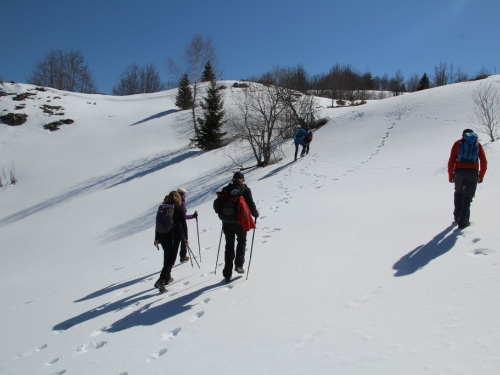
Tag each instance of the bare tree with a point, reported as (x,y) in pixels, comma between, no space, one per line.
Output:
(194,58)
(487,109)
(137,80)
(396,83)
(460,76)
(151,80)
(129,81)
(441,75)
(267,114)
(64,71)
(318,84)
(383,85)
(483,72)
(259,121)
(412,83)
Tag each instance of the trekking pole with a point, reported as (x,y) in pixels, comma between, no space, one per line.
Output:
(251,249)
(198,231)
(215,273)
(192,256)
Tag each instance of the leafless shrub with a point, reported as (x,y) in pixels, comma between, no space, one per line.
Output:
(487,109)
(10,179)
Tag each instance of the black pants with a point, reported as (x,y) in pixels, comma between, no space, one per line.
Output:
(183,252)
(297,144)
(234,232)
(306,148)
(465,189)
(170,245)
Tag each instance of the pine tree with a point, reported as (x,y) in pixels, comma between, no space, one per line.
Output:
(184,98)
(208,74)
(424,83)
(210,135)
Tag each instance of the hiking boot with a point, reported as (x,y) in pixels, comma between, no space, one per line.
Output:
(464,225)
(239,269)
(160,285)
(170,281)
(227,279)
(184,259)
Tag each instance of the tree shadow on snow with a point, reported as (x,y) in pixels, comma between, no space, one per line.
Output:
(158,115)
(151,316)
(419,257)
(200,190)
(275,171)
(137,169)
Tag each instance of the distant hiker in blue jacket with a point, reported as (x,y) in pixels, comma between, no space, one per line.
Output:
(307,139)
(298,139)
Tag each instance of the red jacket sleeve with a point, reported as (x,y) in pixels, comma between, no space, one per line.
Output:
(483,162)
(481,165)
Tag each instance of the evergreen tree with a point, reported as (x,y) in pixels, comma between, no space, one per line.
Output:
(424,83)
(184,98)
(368,81)
(210,135)
(208,74)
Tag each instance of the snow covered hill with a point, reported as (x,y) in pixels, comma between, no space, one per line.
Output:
(356,265)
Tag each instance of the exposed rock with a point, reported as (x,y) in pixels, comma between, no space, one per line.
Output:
(14,119)
(23,96)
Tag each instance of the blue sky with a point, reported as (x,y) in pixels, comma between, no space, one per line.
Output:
(252,36)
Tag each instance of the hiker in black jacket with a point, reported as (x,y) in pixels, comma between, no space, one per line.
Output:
(170,241)
(234,231)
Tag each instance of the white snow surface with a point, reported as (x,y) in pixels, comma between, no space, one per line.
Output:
(356,266)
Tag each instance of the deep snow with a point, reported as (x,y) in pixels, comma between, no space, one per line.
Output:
(356,265)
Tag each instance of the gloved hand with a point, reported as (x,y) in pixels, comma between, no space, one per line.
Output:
(479,180)
(195,215)
(452,180)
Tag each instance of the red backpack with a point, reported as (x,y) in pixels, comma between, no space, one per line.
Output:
(232,208)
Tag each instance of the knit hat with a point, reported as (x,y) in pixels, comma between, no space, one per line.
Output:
(238,176)
(467,131)
(182,191)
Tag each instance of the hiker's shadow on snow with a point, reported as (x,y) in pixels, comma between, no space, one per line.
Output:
(422,255)
(127,302)
(157,314)
(117,286)
(277,170)
(137,169)
(158,115)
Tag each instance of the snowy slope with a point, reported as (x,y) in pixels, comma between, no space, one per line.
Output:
(356,266)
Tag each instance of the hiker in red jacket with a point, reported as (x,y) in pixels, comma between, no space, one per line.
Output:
(466,168)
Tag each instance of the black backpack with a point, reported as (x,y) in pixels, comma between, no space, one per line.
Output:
(165,218)
(226,205)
